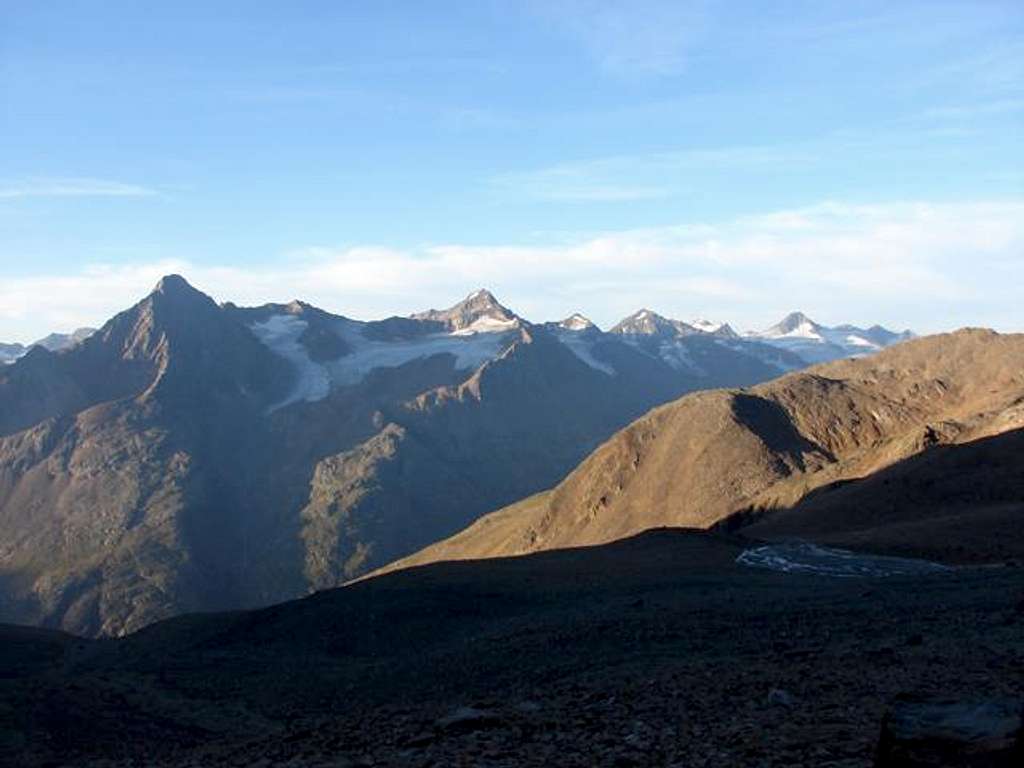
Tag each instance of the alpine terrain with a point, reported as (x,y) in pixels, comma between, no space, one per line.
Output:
(194,456)
(915,449)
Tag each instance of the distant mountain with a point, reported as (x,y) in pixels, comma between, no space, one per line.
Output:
(11,352)
(189,456)
(58,341)
(577,322)
(816,343)
(847,452)
(480,312)
(715,329)
(647,323)
(54,342)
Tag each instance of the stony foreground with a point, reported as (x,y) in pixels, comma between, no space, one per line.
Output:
(655,651)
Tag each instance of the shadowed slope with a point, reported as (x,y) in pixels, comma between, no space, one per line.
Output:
(956,503)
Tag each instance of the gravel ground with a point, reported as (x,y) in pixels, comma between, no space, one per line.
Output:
(658,653)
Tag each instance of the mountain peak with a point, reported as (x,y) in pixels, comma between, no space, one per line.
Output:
(577,322)
(174,293)
(644,322)
(481,296)
(480,308)
(794,324)
(793,319)
(714,328)
(171,284)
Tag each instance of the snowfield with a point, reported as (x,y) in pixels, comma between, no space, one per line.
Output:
(582,346)
(471,347)
(281,334)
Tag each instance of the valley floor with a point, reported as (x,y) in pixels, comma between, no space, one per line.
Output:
(655,651)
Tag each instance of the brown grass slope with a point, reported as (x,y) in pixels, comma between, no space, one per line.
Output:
(714,455)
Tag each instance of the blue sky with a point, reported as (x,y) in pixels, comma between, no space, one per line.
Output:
(862,161)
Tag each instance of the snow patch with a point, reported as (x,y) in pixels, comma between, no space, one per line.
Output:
(281,334)
(678,356)
(706,326)
(582,347)
(471,350)
(805,330)
(858,341)
(486,324)
(576,323)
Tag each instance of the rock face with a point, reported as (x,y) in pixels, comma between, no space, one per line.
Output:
(194,456)
(928,733)
(897,451)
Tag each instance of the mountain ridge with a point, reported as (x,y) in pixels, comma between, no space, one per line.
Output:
(766,447)
(195,456)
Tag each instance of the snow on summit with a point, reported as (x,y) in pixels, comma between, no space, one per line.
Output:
(576,322)
(479,328)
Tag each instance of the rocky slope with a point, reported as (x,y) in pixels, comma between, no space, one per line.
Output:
(194,456)
(732,457)
(660,650)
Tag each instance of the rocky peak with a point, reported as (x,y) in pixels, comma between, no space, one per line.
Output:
(577,322)
(480,308)
(647,323)
(794,324)
(712,328)
(173,284)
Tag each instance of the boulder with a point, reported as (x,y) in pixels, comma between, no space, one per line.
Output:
(469,719)
(928,733)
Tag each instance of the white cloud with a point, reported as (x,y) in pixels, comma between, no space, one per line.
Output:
(70,186)
(930,266)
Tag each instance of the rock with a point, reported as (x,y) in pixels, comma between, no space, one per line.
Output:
(468,719)
(528,706)
(929,733)
(778,697)
(420,740)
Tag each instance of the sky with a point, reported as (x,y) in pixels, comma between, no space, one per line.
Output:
(861,161)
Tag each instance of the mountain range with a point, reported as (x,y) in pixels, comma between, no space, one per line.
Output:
(917,449)
(817,343)
(194,456)
(53,342)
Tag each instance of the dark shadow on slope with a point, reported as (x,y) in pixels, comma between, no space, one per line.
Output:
(770,422)
(953,503)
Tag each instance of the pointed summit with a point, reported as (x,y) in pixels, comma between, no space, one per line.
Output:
(478,312)
(171,284)
(648,323)
(174,293)
(577,322)
(712,328)
(794,325)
